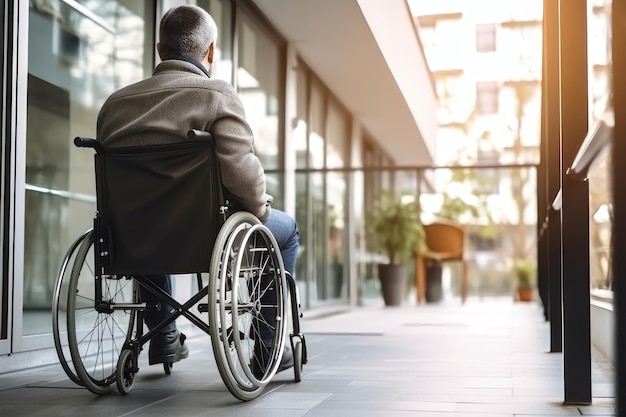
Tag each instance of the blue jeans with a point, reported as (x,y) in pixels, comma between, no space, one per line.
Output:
(284,229)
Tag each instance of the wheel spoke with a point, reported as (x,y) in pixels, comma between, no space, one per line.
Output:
(95,338)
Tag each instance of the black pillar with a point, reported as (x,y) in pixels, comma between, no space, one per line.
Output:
(575,204)
(619,200)
(542,193)
(553,154)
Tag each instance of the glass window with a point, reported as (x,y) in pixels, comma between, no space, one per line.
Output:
(600,225)
(487,100)
(487,178)
(259,83)
(338,136)
(486,37)
(317,135)
(300,130)
(317,242)
(300,139)
(78,54)
(221,12)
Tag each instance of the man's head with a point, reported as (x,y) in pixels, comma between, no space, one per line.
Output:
(187,31)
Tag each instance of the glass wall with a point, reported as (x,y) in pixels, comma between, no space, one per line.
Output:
(322,140)
(317,244)
(600,178)
(376,179)
(499,221)
(221,11)
(260,83)
(600,226)
(300,137)
(78,54)
(338,134)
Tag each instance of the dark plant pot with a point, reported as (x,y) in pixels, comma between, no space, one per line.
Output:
(392,283)
(434,289)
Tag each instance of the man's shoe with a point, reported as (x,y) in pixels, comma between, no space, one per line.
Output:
(167,348)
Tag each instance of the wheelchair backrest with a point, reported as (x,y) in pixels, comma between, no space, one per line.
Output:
(158,208)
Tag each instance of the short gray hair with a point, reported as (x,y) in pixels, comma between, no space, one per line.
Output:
(186,31)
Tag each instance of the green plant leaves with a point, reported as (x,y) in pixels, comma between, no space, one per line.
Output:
(394,227)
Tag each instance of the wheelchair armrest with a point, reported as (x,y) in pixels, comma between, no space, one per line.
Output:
(82,142)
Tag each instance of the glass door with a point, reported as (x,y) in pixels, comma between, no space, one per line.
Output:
(79,52)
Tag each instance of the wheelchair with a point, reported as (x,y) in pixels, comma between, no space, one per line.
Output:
(162,209)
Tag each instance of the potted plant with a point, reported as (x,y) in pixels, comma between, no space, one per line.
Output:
(524,271)
(394,229)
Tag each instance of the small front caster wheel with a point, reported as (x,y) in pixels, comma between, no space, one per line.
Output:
(297,360)
(125,374)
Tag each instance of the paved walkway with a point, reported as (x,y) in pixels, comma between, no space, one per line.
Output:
(483,359)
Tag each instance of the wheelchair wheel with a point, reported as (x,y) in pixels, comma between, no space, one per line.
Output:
(96,336)
(246,305)
(125,374)
(59,311)
(260,303)
(297,360)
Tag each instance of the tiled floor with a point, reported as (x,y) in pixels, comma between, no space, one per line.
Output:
(483,359)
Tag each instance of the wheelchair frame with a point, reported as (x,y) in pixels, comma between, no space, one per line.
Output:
(247,297)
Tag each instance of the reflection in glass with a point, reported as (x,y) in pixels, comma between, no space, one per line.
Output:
(220,10)
(336,196)
(259,86)
(319,289)
(316,138)
(78,54)
(600,226)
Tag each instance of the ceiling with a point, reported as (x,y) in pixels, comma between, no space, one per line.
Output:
(367,53)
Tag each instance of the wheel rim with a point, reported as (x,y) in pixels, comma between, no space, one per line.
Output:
(228,320)
(220,308)
(96,338)
(59,310)
(259,305)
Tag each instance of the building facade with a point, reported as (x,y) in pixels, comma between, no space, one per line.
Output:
(327,88)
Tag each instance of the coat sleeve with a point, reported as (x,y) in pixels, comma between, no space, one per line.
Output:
(242,173)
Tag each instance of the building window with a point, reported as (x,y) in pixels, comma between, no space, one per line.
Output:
(488,179)
(487,97)
(482,243)
(486,37)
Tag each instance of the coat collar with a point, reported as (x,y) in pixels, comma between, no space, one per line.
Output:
(181,64)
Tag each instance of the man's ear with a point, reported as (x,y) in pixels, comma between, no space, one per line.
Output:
(210,55)
(159,50)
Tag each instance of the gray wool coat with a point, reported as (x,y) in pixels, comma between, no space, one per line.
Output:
(179,97)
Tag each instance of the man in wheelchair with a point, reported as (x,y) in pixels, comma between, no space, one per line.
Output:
(180,96)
